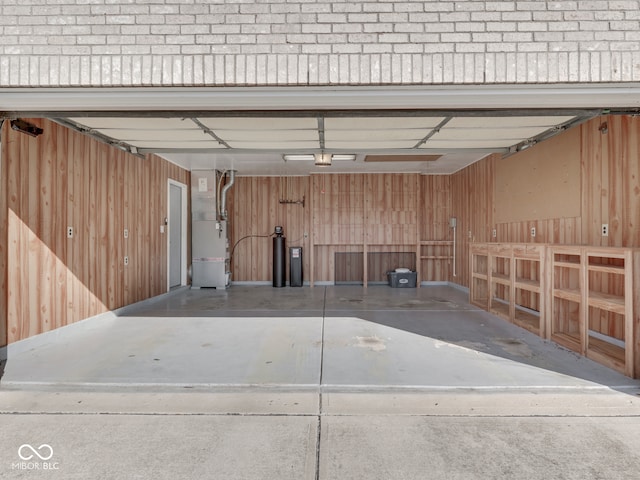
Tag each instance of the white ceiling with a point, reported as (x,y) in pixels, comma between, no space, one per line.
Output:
(254,144)
(250,128)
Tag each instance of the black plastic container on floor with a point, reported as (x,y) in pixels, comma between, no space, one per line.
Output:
(279,261)
(402,279)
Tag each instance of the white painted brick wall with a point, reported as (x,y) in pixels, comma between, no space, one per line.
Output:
(310,42)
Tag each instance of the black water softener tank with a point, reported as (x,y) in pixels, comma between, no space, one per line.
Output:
(279,258)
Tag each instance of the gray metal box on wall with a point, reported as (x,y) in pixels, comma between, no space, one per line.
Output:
(203,195)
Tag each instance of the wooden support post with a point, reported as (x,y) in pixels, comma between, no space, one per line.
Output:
(584,303)
(635,318)
(629,339)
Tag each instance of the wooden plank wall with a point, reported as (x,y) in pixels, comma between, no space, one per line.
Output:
(64,179)
(472,205)
(435,210)
(338,213)
(610,179)
(342,213)
(391,209)
(356,212)
(609,149)
(338,224)
(255,211)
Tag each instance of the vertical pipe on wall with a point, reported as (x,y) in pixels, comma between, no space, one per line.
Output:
(453,223)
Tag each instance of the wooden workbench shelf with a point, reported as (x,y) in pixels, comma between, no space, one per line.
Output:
(580,297)
(510,273)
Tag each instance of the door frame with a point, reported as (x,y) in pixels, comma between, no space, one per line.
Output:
(183,233)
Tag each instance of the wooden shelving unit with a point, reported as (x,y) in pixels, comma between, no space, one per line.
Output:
(609,335)
(580,297)
(479,288)
(501,280)
(435,259)
(528,298)
(506,280)
(566,312)
(436,250)
(592,309)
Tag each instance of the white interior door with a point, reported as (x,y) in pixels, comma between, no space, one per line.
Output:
(175,236)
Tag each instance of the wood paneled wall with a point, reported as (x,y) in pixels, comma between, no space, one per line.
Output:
(391,209)
(64,179)
(342,213)
(609,156)
(610,180)
(338,212)
(472,205)
(255,210)
(355,212)
(434,211)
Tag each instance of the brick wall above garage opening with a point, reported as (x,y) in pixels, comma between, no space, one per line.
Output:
(230,43)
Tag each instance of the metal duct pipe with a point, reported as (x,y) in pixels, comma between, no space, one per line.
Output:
(223,194)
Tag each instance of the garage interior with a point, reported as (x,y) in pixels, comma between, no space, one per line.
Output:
(516,355)
(448,192)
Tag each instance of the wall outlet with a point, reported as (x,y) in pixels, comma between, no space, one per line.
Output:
(126,260)
(494,233)
(69,232)
(533,231)
(470,234)
(126,233)
(605,229)
(161,228)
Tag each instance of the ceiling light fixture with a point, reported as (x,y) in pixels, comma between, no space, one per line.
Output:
(346,157)
(323,159)
(297,157)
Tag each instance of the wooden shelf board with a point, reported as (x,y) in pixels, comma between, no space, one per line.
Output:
(605,348)
(530,285)
(606,301)
(480,302)
(436,257)
(499,250)
(607,269)
(567,265)
(605,252)
(436,242)
(481,276)
(527,320)
(568,294)
(567,341)
(501,278)
(528,251)
(607,354)
(500,309)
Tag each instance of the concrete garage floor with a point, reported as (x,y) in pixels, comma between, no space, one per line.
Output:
(325,383)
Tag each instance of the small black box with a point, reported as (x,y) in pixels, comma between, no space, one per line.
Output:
(402,279)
